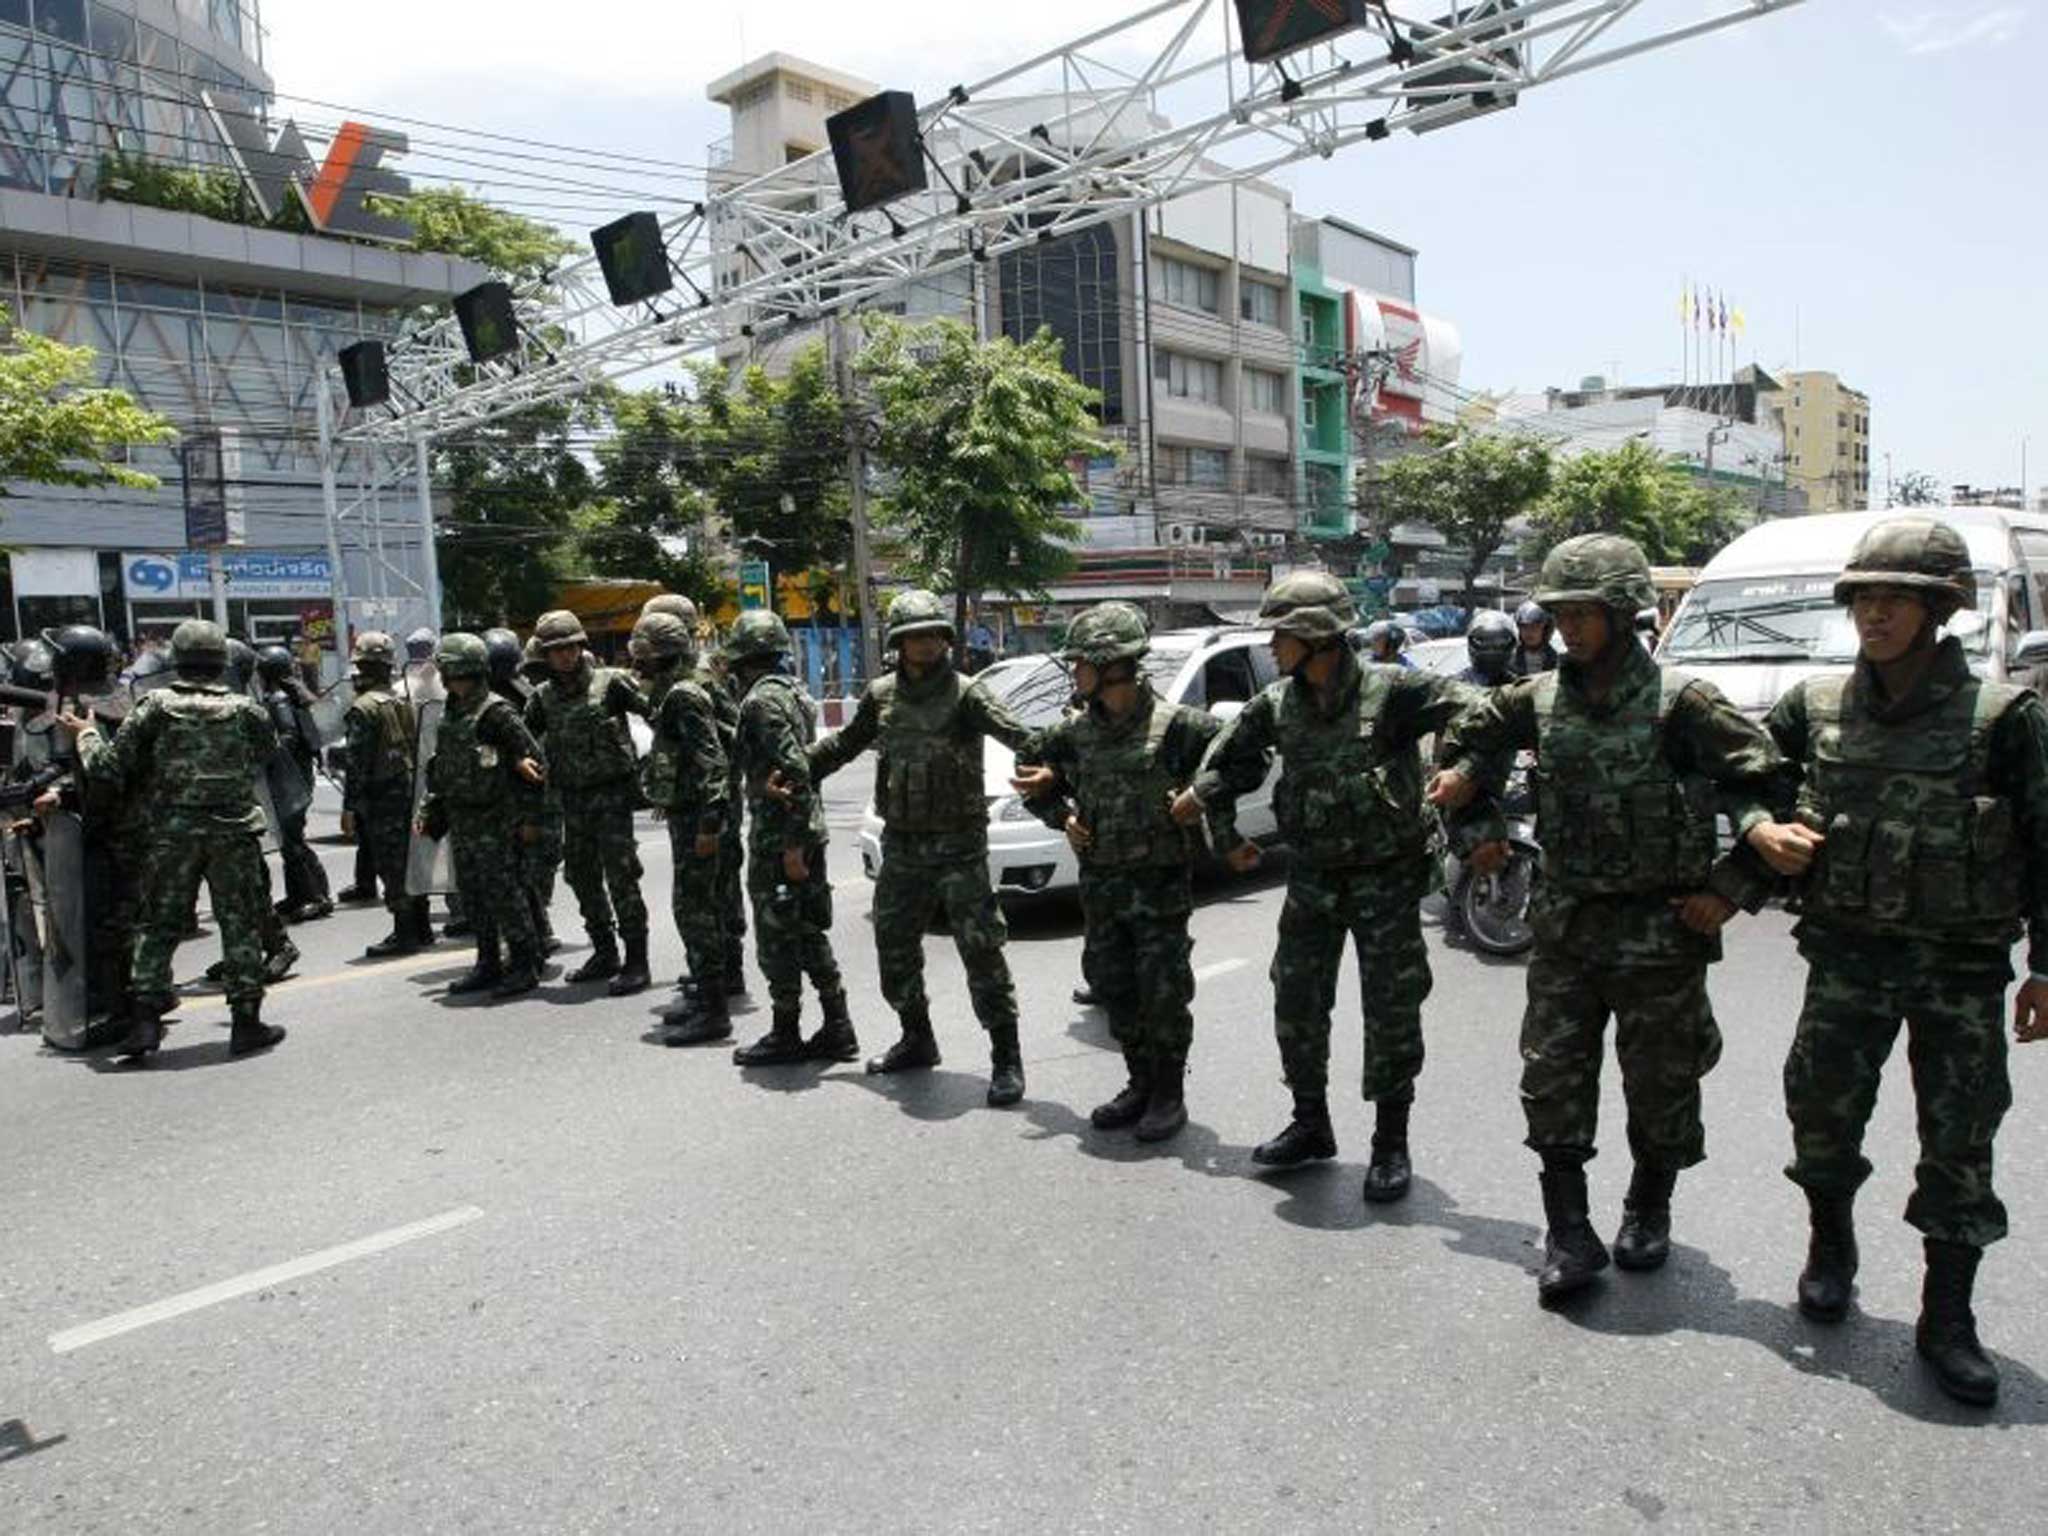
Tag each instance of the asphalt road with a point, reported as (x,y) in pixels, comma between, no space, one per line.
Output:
(439,1266)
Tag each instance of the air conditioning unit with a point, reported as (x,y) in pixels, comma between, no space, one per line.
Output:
(1181,535)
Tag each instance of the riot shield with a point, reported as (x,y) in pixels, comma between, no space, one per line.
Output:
(66,935)
(22,938)
(429,867)
(291,792)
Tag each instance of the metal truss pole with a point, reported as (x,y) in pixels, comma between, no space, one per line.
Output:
(857,472)
(430,557)
(330,495)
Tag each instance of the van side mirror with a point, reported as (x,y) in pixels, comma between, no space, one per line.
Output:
(2032,651)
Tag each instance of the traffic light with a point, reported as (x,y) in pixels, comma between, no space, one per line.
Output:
(489,328)
(1273,27)
(366,373)
(876,150)
(633,258)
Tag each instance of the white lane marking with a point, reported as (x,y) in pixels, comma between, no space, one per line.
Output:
(255,1280)
(1220,968)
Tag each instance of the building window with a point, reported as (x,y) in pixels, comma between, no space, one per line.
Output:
(1265,391)
(1189,378)
(1209,467)
(1267,477)
(1308,328)
(1308,409)
(1259,303)
(1187,286)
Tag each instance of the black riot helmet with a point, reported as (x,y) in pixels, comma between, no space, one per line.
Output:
(1490,643)
(274,664)
(241,664)
(502,654)
(34,665)
(82,657)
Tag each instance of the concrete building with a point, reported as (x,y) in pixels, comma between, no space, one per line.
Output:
(220,327)
(1826,427)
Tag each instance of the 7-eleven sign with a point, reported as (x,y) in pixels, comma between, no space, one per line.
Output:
(335,192)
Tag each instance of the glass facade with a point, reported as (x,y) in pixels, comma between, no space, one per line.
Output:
(84,78)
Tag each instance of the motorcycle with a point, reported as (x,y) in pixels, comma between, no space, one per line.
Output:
(1493,909)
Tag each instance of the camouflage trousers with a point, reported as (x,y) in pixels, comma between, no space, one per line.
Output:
(600,855)
(908,892)
(230,862)
(792,928)
(539,860)
(1377,907)
(384,828)
(483,844)
(1135,957)
(697,900)
(1664,1037)
(1955,1048)
(732,867)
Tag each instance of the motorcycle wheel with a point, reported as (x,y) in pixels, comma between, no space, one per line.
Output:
(1496,906)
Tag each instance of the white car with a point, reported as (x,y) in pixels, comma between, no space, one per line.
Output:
(1219,670)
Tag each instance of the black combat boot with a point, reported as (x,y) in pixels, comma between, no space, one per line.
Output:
(700,1021)
(145,1032)
(543,924)
(1947,1335)
(522,975)
(1166,1109)
(1829,1280)
(918,1047)
(1644,1240)
(486,973)
(1573,1254)
(1308,1135)
(604,958)
(249,1034)
(1388,1174)
(1129,1105)
(405,937)
(736,971)
(632,975)
(1006,1067)
(784,1043)
(279,962)
(835,1039)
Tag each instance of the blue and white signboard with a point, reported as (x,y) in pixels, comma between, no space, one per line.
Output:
(184,577)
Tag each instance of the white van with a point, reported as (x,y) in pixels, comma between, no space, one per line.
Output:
(1763,616)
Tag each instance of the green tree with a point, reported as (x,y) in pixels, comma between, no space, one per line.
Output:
(56,431)
(1468,487)
(1916,488)
(651,518)
(1633,490)
(771,454)
(978,439)
(453,222)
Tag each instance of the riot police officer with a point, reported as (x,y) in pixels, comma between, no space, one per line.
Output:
(289,703)
(1490,648)
(539,854)
(380,737)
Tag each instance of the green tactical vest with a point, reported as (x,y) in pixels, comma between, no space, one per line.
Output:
(928,769)
(588,747)
(465,770)
(392,728)
(1615,817)
(1124,792)
(1345,796)
(199,761)
(661,770)
(1918,844)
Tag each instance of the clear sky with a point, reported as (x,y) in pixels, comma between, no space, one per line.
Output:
(1863,179)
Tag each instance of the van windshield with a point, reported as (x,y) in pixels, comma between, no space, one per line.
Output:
(1787,618)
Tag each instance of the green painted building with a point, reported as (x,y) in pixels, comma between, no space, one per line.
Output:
(1323,388)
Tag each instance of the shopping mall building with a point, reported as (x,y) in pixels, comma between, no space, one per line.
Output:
(221,328)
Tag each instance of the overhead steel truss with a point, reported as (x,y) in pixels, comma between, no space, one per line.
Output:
(1068,139)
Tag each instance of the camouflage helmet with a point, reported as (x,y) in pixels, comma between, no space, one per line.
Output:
(918,612)
(661,636)
(374,648)
(1917,552)
(199,643)
(756,634)
(559,627)
(1309,605)
(1602,568)
(671,603)
(1108,633)
(461,655)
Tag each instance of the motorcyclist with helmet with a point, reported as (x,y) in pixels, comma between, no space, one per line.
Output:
(1534,653)
(1490,642)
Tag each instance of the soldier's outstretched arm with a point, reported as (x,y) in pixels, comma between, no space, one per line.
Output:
(992,717)
(623,697)
(1049,752)
(1477,744)
(1711,737)
(118,762)
(1234,765)
(1188,741)
(831,753)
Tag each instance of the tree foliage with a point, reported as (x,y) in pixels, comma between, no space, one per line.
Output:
(56,431)
(1469,487)
(452,222)
(650,520)
(978,439)
(771,455)
(1635,491)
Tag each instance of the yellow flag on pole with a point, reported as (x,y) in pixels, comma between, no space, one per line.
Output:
(1739,320)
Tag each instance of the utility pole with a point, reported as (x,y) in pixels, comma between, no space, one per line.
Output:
(857,472)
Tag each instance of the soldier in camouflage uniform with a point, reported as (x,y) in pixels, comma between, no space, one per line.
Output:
(193,751)
(709,674)
(1349,804)
(1634,762)
(579,714)
(786,875)
(539,852)
(289,704)
(484,784)
(684,777)
(1919,844)
(926,723)
(1108,780)
(380,735)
